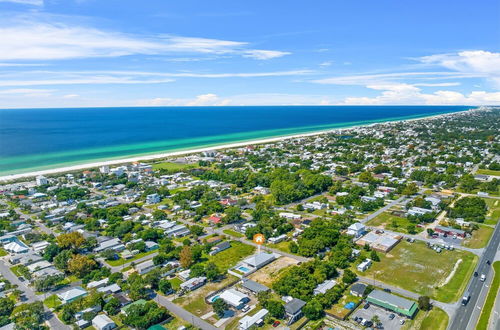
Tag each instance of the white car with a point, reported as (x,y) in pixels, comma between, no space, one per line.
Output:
(483,278)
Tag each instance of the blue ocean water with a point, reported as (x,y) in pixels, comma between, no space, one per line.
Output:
(34,139)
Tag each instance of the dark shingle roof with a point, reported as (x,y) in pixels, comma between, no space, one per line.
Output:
(294,306)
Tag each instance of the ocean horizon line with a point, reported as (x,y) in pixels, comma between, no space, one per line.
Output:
(165,153)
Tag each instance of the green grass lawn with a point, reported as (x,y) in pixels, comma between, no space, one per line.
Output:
(52,301)
(15,270)
(122,261)
(231,232)
(482,324)
(194,302)
(479,237)
(339,310)
(392,222)
(435,319)
(488,172)
(282,246)
(230,257)
(493,214)
(173,166)
(176,283)
(3,253)
(415,267)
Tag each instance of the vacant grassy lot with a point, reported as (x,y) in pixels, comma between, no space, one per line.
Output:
(268,274)
(493,214)
(479,237)
(194,301)
(435,319)
(52,301)
(173,166)
(282,246)
(3,253)
(442,276)
(122,261)
(482,324)
(176,283)
(488,172)
(230,257)
(232,233)
(15,270)
(339,309)
(392,222)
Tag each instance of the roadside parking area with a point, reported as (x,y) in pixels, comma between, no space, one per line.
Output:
(382,314)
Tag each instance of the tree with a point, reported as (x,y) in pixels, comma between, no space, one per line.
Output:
(73,240)
(375,319)
(293,247)
(196,230)
(412,229)
(410,189)
(275,308)
(233,214)
(424,303)
(313,310)
(211,271)
(186,256)
(430,231)
(61,260)
(29,316)
(6,306)
(112,307)
(109,254)
(348,277)
(220,307)
(366,177)
(165,286)
(51,251)
(81,265)
(374,256)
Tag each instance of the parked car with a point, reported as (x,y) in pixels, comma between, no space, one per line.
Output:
(366,306)
(401,321)
(392,316)
(387,290)
(276,323)
(245,308)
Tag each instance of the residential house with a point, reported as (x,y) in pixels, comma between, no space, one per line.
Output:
(293,310)
(257,319)
(72,294)
(103,322)
(234,298)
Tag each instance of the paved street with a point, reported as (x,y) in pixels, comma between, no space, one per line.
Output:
(183,314)
(383,209)
(467,316)
(53,321)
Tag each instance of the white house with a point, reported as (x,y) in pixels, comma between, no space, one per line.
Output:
(41,180)
(71,294)
(234,298)
(325,286)
(357,229)
(364,265)
(153,199)
(103,322)
(257,319)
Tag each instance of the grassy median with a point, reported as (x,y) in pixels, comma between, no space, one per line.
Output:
(490,299)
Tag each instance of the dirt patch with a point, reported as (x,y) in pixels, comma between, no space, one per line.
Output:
(446,280)
(267,275)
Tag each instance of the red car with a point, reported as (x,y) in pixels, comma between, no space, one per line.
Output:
(276,323)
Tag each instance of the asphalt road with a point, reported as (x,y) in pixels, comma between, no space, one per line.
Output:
(53,321)
(183,314)
(465,314)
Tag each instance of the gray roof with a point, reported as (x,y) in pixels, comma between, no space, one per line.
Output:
(294,306)
(399,302)
(358,288)
(254,286)
(450,229)
(259,259)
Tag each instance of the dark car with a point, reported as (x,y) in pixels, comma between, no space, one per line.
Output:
(366,306)
(392,316)
(475,274)
(368,323)
(387,290)
(488,262)
(380,325)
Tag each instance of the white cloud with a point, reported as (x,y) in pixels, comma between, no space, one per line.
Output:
(26,2)
(26,40)
(409,94)
(39,78)
(326,64)
(264,54)
(200,100)
(26,92)
(478,62)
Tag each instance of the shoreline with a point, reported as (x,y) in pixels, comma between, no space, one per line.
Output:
(72,168)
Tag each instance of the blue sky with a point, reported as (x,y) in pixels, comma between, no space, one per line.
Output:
(73,53)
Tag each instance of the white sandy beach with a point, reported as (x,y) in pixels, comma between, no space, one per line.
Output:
(72,168)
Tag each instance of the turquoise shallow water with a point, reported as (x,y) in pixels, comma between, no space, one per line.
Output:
(37,139)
